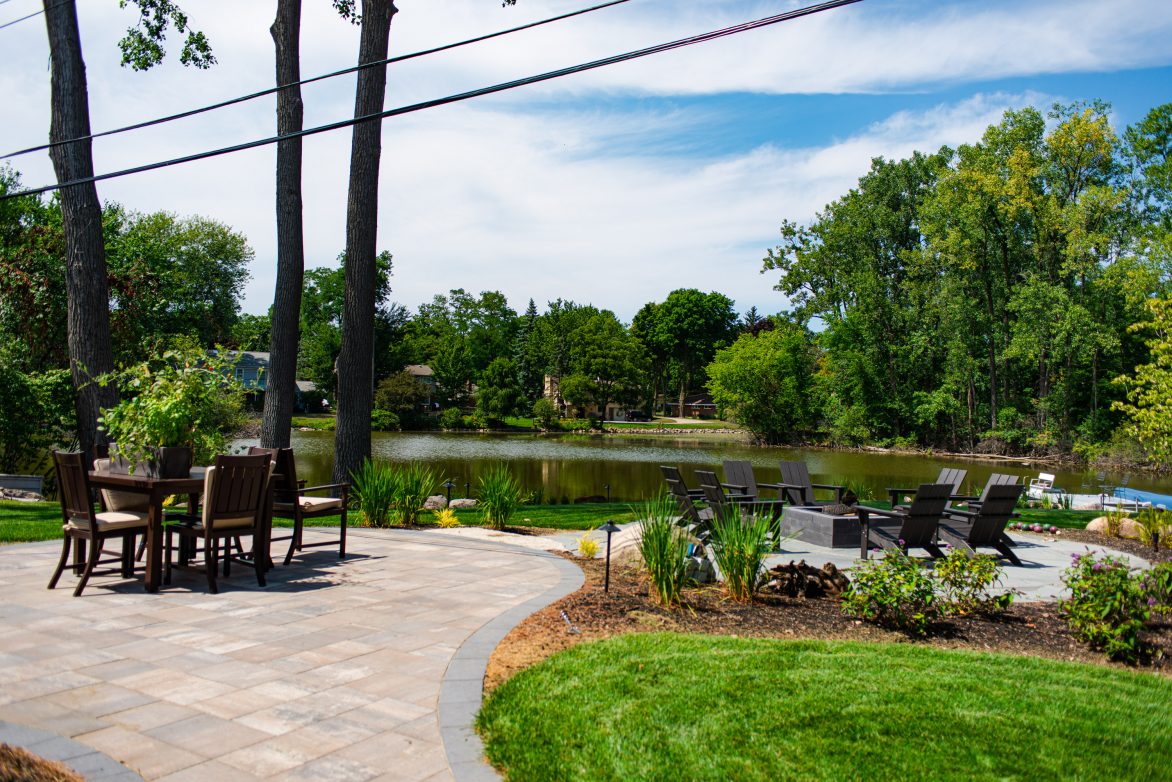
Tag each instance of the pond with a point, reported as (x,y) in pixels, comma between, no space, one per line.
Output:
(570,466)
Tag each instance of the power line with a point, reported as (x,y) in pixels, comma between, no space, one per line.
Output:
(500,87)
(343,72)
(34,13)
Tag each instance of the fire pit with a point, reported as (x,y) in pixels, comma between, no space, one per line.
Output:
(813,524)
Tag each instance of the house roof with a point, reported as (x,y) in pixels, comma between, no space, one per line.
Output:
(419,370)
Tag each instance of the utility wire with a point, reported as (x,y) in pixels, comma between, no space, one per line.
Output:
(343,72)
(501,87)
(34,13)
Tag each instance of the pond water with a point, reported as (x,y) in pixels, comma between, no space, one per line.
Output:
(573,466)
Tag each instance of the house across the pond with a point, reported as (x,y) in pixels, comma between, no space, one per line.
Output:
(252,369)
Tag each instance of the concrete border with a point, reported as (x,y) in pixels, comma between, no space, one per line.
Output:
(86,761)
(463,684)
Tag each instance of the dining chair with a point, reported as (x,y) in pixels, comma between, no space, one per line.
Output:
(83,525)
(236,504)
(293,500)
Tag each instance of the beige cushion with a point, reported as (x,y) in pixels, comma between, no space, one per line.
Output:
(236,523)
(111,520)
(309,504)
(230,523)
(115,500)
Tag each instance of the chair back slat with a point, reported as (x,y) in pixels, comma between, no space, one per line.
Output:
(285,472)
(797,474)
(919,525)
(953,476)
(671,473)
(997,479)
(73,485)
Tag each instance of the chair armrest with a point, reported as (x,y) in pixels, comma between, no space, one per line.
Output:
(968,514)
(739,487)
(305,489)
(773,486)
(838,490)
(864,511)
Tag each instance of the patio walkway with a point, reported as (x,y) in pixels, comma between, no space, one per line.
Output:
(365,669)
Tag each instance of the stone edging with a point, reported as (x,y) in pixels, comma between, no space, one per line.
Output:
(86,761)
(463,683)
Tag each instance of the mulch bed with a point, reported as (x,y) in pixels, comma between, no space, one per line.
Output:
(590,614)
(1126,545)
(19,765)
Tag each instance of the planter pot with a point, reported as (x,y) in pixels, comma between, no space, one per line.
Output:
(167,462)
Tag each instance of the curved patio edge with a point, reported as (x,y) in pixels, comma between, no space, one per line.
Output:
(463,683)
(85,760)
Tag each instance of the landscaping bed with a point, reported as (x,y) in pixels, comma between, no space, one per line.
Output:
(1026,628)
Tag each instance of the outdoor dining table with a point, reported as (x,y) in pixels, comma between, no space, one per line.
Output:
(157,490)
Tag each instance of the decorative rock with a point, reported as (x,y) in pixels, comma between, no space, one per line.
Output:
(1129,529)
(435,502)
(19,495)
(462,504)
(700,570)
(1099,525)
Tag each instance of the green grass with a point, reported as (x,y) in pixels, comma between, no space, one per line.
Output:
(669,707)
(322,422)
(713,424)
(570,517)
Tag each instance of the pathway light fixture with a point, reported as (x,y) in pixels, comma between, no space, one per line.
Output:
(449,485)
(609,528)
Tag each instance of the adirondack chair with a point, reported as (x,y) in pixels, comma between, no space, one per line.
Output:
(953,476)
(718,499)
(795,479)
(913,526)
(984,527)
(697,521)
(673,474)
(996,479)
(738,476)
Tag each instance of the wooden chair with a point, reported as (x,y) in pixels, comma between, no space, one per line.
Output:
(697,521)
(913,526)
(996,479)
(81,524)
(291,500)
(718,499)
(673,474)
(953,476)
(795,477)
(236,503)
(985,526)
(738,475)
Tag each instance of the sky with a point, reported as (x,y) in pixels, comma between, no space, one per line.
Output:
(611,187)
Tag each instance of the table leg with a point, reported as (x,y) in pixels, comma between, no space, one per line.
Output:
(154,548)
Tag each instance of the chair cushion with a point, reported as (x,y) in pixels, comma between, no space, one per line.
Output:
(235,523)
(309,505)
(111,520)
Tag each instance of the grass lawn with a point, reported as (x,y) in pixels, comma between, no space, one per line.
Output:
(668,707)
(321,421)
(713,424)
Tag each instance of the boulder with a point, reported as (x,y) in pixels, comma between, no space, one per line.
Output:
(1099,525)
(462,504)
(1129,529)
(435,502)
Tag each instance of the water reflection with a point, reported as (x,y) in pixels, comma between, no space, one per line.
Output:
(572,466)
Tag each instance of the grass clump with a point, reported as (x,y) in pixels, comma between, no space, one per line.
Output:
(588,547)
(500,496)
(413,484)
(664,549)
(373,487)
(739,543)
(20,765)
(446,518)
(666,706)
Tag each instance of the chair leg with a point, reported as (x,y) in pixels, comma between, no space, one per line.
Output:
(141,550)
(295,538)
(228,556)
(66,544)
(91,560)
(1007,552)
(167,555)
(342,534)
(259,560)
(210,550)
(128,556)
(79,557)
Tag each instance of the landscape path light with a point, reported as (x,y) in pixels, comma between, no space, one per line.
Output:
(609,528)
(607,487)
(448,485)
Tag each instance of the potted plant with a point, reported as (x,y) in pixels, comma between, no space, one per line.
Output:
(174,412)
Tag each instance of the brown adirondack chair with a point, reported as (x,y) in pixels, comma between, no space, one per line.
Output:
(984,526)
(799,490)
(718,499)
(673,474)
(913,526)
(953,476)
(739,477)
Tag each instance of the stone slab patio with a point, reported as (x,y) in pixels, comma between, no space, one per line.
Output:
(370,668)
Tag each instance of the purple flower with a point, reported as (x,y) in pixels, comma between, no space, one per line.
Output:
(1151,601)
(901,542)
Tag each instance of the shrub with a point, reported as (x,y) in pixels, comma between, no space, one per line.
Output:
(451,418)
(374,487)
(1157,585)
(894,591)
(383,421)
(500,496)
(1153,527)
(739,545)
(966,582)
(1107,606)
(545,414)
(446,518)
(664,549)
(413,485)
(476,420)
(1114,521)
(587,546)
(575,424)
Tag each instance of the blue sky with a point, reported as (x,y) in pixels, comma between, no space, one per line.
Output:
(611,187)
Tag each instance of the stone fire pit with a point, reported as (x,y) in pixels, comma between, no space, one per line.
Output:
(811,524)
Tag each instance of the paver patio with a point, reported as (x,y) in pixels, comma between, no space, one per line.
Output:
(332,672)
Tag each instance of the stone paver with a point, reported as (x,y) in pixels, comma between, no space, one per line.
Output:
(352,670)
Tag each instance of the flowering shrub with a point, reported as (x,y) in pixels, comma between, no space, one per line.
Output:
(1157,585)
(1107,606)
(894,591)
(966,583)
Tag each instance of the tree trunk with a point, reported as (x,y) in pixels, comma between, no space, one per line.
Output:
(281,387)
(87,290)
(683,391)
(356,361)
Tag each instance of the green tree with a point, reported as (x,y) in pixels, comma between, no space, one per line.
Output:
(766,383)
(402,394)
(497,391)
(1148,406)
